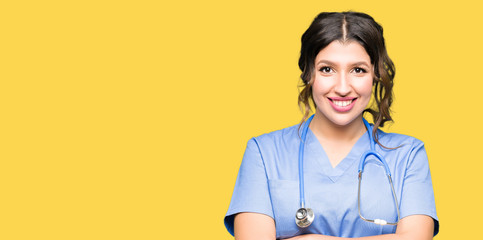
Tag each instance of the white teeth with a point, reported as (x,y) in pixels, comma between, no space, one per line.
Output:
(342,103)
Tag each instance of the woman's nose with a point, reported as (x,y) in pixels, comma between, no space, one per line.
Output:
(342,86)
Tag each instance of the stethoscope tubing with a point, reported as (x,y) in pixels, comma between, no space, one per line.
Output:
(301,162)
(371,152)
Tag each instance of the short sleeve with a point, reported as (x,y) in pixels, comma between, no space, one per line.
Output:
(251,188)
(417,193)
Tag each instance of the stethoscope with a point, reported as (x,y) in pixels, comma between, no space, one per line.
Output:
(305,216)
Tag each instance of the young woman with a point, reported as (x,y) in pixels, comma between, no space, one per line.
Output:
(305,181)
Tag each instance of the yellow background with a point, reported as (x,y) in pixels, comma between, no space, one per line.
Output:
(129,119)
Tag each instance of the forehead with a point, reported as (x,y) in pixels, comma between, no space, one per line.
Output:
(343,53)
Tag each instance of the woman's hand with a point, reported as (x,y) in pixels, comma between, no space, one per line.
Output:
(414,227)
(300,237)
(259,226)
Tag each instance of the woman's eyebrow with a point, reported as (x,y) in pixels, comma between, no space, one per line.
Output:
(361,63)
(325,61)
(364,63)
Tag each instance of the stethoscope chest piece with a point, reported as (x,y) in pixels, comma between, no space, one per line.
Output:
(304,217)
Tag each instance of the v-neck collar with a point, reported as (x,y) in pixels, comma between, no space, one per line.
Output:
(333,173)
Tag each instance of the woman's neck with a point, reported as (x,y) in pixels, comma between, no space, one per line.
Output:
(326,129)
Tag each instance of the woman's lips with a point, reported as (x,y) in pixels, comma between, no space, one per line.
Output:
(342,104)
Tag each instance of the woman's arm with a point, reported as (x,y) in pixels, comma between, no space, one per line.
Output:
(249,226)
(414,227)
(259,226)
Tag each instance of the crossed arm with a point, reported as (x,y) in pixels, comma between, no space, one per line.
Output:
(250,226)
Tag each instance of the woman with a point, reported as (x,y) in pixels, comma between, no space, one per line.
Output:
(344,62)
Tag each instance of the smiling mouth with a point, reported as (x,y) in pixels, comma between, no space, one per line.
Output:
(342,103)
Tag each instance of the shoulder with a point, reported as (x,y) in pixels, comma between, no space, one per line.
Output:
(276,143)
(394,140)
(407,150)
(281,136)
(276,151)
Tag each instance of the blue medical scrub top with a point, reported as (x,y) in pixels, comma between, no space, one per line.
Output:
(268,183)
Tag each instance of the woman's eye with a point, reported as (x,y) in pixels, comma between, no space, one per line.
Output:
(325,69)
(359,70)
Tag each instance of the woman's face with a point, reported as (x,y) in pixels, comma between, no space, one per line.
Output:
(342,83)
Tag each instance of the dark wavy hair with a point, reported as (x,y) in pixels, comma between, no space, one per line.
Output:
(349,26)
